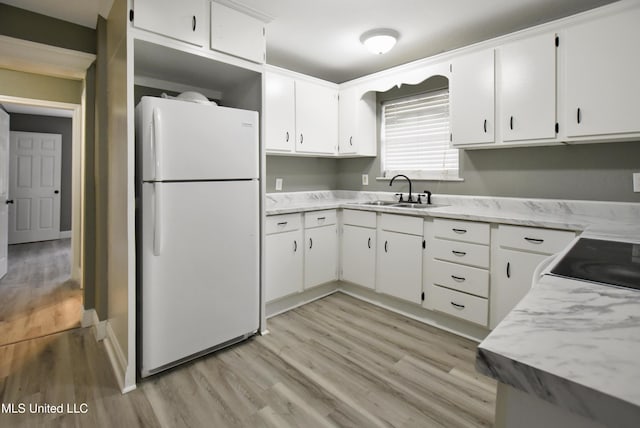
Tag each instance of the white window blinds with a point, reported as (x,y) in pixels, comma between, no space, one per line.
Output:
(415,137)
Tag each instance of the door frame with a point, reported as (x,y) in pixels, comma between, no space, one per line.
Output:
(77,174)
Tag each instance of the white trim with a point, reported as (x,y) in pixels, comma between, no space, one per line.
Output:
(38,58)
(117,359)
(64,234)
(236,5)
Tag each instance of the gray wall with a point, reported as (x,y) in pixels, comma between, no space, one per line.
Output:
(53,125)
(300,173)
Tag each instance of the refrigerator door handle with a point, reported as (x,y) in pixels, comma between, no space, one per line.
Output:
(156,144)
(157,219)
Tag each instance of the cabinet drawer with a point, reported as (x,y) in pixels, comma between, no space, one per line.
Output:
(461,252)
(402,224)
(283,223)
(319,218)
(466,231)
(461,305)
(543,241)
(459,277)
(359,218)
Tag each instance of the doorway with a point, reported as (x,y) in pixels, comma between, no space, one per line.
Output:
(41,292)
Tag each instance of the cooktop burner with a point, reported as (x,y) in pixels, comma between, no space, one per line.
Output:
(607,262)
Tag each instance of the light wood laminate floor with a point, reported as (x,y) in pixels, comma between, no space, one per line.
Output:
(37,296)
(334,362)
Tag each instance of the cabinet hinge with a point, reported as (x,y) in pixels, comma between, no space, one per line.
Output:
(451,137)
(557,41)
(424,243)
(422,296)
(130,15)
(450,68)
(557,127)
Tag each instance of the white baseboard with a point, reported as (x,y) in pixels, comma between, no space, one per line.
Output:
(117,359)
(64,234)
(90,319)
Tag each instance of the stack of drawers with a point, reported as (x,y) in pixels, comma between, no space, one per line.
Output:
(458,276)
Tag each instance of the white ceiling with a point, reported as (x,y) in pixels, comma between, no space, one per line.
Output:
(321,38)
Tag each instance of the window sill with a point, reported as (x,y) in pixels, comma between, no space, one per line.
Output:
(423,179)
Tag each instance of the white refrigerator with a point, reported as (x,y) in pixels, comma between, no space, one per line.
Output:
(197,229)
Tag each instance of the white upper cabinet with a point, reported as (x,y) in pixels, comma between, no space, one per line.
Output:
(184,20)
(316,118)
(357,123)
(237,34)
(527,88)
(279,113)
(601,77)
(472,98)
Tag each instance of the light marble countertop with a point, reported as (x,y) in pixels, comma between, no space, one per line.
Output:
(572,343)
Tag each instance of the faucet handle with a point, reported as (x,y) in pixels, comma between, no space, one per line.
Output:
(419,198)
(400,194)
(428,194)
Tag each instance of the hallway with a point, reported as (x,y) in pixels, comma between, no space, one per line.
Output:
(37,296)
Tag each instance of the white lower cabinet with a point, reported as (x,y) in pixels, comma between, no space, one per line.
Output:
(321,248)
(358,264)
(518,251)
(399,272)
(283,256)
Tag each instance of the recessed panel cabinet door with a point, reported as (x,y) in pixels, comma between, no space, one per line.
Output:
(320,256)
(602,66)
(359,255)
(279,113)
(472,99)
(400,266)
(528,88)
(283,264)
(182,20)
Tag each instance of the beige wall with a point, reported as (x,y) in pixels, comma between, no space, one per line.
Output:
(36,86)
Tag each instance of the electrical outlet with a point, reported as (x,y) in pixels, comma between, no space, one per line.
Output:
(636,181)
(365,179)
(278,183)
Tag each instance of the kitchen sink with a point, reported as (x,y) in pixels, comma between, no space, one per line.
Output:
(395,204)
(380,203)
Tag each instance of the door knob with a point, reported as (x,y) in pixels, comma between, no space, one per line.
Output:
(9,201)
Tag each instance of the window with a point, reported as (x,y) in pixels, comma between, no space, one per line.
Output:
(415,137)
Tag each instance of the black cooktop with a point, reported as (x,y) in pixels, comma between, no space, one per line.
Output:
(606,262)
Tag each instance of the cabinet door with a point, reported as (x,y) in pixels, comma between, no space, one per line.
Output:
(320,256)
(237,34)
(279,113)
(511,280)
(183,20)
(528,88)
(316,118)
(359,255)
(283,264)
(348,122)
(601,76)
(472,98)
(400,266)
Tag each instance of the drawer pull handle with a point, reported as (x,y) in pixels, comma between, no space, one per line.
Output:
(369,243)
(287,137)
(458,278)
(579,115)
(283,223)
(534,240)
(457,305)
(460,231)
(459,253)
(485,126)
(193,23)
(508,269)
(310,243)
(301,138)
(386,243)
(295,246)
(321,218)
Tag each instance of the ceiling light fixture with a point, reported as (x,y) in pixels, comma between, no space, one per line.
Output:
(379,41)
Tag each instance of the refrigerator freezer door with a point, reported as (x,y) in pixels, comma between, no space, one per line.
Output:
(179,140)
(202,287)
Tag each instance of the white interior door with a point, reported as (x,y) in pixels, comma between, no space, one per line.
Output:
(34,186)
(4,188)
